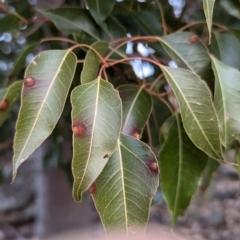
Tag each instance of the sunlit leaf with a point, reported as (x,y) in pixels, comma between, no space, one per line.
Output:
(123,192)
(8,96)
(227,100)
(71,20)
(46,85)
(96,123)
(197,111)
(188,52)
(21,60)
(92,62)
(137,105)
(181,165)
(208,6)
(100,10)
(211,168)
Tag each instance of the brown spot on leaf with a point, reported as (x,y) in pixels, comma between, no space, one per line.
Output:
(194,39)
(92,188)
(153,166)
(79,128)
(29,81)
(4,105)
(106,156)
(136,133)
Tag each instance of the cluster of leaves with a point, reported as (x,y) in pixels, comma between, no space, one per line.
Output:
(187,115)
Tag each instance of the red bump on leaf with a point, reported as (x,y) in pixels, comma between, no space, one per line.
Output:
(136,133)
(78,128)
(92,188)
(4,105)
(153,166)
(29,82)
(194,39)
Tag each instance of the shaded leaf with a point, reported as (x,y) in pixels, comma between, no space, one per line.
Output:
(226,47)
(137,105)
(21,60)
(159,114)
(125,188)
(46,85)
(92,62)
(208,6)
(231,8)
(71,20)
(100,11)
(147,22)
(96,119)
(193,56)
(197,111)
(181,165)
(9,23)
(211,168)
(227,100)
(8,96)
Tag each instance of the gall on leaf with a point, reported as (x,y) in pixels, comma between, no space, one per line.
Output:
(78,128)
(194,39)
(4,105)
(92,188)
(29,81)
(136,133)
(153,166)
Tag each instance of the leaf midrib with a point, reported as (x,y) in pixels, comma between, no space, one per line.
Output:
(91,140)
(192,114)
(131,107)
(43,103)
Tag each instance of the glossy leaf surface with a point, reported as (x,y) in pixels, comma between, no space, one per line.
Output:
(181,165)
(137,105)
(208,6)
(125,188)
(8,96)
(227,100)
(43,98)
(197,111)
(96,123)
(92,62)
(100,10)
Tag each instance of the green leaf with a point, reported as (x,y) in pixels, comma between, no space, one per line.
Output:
(147,22)
(71,20)
(21,60)
(9,23)
(137,105)
(92,62)
(208,6)
(100,10)
(159,114)
(227,100)
(8,96)
(231,8)
(226,47)
(211,168)
(181,165)
(96,118)
(193,56)
(43,97)
(124,190)
(198,114)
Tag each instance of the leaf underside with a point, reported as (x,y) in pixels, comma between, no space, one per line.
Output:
(42,103)
(125,188)
(96,118)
